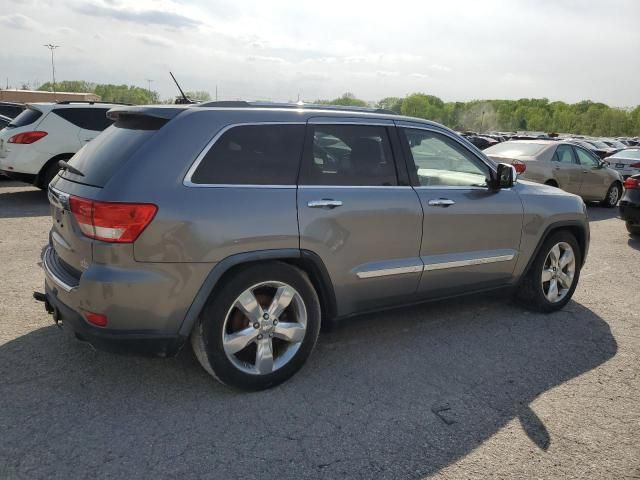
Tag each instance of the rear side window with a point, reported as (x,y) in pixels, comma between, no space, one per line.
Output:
(87,118)
(100,159)
(27,117)
(348,155)
(253,155)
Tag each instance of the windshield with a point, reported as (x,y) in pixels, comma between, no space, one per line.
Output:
(630,153)
(27,117)
(516,149)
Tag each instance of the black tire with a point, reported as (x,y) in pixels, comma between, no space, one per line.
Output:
(611,200)
(47,175)
(531,293)
(633,229)
(207,335)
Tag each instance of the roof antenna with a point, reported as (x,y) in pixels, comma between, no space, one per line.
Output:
(184,99)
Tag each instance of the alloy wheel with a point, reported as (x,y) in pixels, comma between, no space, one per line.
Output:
(264,328)
(558,272)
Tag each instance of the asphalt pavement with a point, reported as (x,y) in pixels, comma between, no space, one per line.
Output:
(471,388)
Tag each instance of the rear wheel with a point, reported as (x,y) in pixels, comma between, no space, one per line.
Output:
(259,328)
(613,195)
(551,183)
(633,229)
(47,175)
(552,277)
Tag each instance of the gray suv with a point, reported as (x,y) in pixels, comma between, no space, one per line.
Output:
(243,228)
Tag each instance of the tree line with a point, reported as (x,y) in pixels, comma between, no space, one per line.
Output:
(525,114)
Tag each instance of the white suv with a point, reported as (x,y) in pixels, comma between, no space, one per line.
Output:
(45,133)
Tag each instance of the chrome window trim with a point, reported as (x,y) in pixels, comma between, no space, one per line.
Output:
(196,163)
(66,287)
(390,187)
(465,263)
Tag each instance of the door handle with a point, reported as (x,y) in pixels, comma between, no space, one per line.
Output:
(324,203)
(441,202)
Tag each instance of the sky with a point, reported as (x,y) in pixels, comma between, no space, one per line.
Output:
(280,50)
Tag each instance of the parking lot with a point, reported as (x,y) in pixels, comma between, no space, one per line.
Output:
(471,388)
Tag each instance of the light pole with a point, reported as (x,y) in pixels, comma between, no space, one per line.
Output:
(52,47)
(149,80)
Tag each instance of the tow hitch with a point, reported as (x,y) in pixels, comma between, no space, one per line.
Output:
(51,310)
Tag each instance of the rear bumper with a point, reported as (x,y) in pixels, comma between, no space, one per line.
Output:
(630,211)
(149,342)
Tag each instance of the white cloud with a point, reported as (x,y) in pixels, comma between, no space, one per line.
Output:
(439,68)
(19,21)
(152,40)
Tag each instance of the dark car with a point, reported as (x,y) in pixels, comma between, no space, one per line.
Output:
(630,204)
(600,152)
(10,109)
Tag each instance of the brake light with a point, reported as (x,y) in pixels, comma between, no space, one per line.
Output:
(110,221)
(632,183)
(519,166)
(635,165)
(27,138)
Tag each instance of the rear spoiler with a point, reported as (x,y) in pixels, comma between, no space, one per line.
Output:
(159,112)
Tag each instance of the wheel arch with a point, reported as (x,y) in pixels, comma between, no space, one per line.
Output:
(579,231)
(307,261)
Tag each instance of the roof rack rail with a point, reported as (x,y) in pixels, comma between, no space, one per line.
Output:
(91,102)
(307,106)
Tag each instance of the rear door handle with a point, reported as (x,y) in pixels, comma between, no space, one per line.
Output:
(441,202)
(324,203)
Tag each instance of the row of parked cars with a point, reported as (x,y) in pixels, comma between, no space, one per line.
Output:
(241,230)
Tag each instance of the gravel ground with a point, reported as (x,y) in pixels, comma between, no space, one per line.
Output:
(471,388)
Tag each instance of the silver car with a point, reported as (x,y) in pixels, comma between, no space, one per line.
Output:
(241,230)
(561,164)
(626,162)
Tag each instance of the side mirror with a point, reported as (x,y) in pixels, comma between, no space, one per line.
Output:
(505,176)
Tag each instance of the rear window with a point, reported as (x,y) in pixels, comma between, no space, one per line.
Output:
(27,117)
(253,155)
(11,111)
(87,118)
(100,159)
(516,149)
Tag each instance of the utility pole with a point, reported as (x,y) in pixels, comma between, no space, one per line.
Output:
(216,92)
(149,80)
(52,47)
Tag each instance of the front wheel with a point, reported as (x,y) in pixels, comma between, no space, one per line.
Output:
(553,276)
(613,195)
(259,328)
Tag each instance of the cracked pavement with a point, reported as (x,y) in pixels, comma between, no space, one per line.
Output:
(470,388)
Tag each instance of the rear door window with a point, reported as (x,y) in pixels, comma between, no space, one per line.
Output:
(563,154)
(27,117)
(348,155)
(253,155)
(87,118)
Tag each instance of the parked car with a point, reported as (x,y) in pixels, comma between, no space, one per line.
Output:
(613,143)
(4,121)
(242,229)
(626,162)
(599,152)
(630,204)
(561,164)
(10,109)
(36,140)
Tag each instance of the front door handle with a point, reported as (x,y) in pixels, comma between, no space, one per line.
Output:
(441,202)
(324,203)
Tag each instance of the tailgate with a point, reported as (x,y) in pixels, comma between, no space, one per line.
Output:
(71,247)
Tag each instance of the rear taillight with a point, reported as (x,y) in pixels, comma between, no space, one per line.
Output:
(110,221)
(519,166)
(632,183)
(635,165)
(27,138)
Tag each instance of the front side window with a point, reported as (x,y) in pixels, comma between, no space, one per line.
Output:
(253,155)
(586,159)
(348,155)
(441,161)
(563,154)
